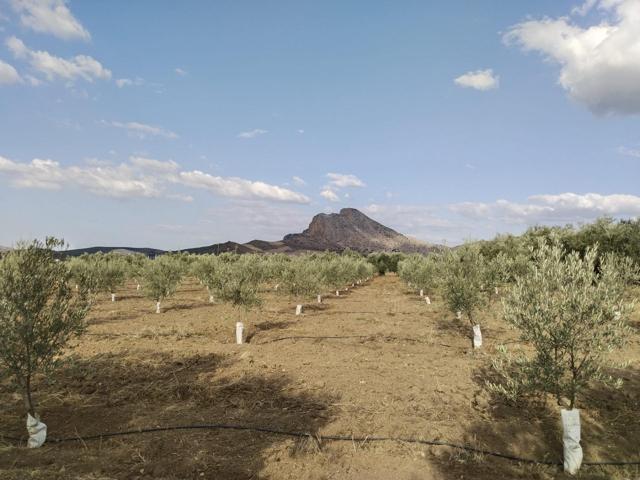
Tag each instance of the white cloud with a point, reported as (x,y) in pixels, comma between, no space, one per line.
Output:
(239,187)
(154,165)
(17,47)
(330,195)
(8,74)
(50,16)
(455,223)
(80,66)
(33,81)
(252,133)
(564,207)
(479,79)
(140,177)
(338,181)
(300,131)
(181,72)
(298,181)
(341,180)
(112,181)
(142,131)
(426,222)
(629,152)
(585,8)
(600,63)
(246,220)
(129,82)
(591,205)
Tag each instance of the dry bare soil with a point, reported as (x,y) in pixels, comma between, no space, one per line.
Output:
(401,368)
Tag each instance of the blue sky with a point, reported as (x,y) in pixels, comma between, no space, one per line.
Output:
(175,124)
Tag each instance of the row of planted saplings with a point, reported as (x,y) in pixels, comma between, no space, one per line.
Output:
(231,278)
(569,310)
(466,280)
(238,280)
(44,301)
(566,307)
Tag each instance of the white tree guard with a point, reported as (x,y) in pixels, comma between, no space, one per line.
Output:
(157,307)
(113,297)
(319,298)
(37,432)
(298,309)
(571,440)
(458,314)
(477,336)
(210,298)
(138,287)
(428,300)
(497,291)
(337,293)
(421,293)
(239,333)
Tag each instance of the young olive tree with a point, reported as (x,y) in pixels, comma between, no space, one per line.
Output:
(134,265)
(570,310)
(206,270)
(421,272)
(239,282)
(334,272)
(161,278)
(302,278)
(85,273)
(573,315)
(112,273)
(240,287)
(39,314)
(463,283)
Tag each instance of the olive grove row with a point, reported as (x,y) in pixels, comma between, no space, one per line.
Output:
(232,278)
(570,308)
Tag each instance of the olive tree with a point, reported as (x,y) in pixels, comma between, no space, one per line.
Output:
(334,273)
(85,272)
(134,265)
(239,286)
(39,313)
(420,272)
(112,273)
(302,278)
(239,282)
(206,270)
(161,278)
(570,310)
(463,285)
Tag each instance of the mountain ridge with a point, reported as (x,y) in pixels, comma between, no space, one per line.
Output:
(348,229)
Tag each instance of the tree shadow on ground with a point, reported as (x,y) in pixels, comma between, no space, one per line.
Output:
(110,393)
(316,307)
(183,306)
(265,327)
(451,325)
(532,429)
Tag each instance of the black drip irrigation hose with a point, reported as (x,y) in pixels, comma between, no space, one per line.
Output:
(335,438)
(344,337)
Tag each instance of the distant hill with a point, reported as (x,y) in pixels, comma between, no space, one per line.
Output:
(354,230)
(149,252)
(334,232)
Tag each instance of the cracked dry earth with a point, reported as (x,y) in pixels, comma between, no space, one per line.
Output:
(395,367)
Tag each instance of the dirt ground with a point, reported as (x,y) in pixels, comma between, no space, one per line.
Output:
(405,369)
